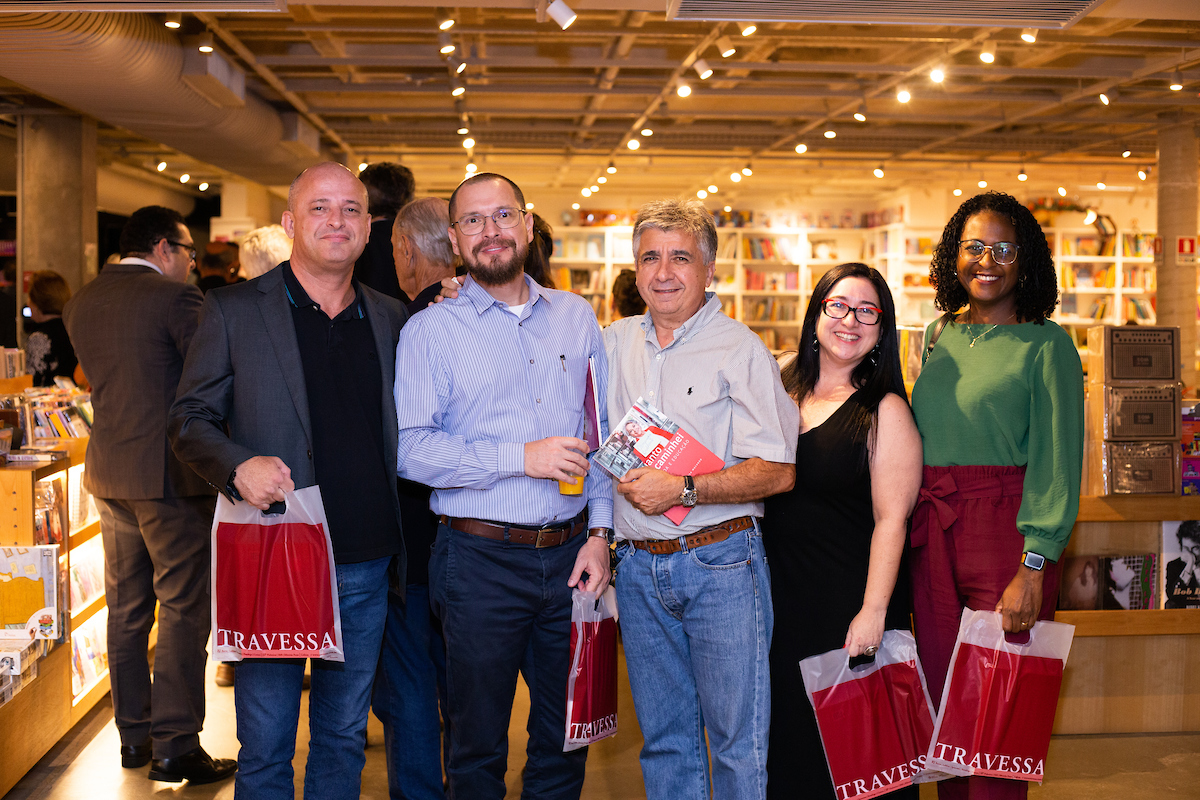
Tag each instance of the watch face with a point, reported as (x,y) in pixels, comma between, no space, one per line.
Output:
(1034,560)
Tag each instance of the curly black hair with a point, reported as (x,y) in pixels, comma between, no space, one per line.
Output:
(1037,282)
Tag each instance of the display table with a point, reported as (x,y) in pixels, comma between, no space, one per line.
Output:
(1130,671)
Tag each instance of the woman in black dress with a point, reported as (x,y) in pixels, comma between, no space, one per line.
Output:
(834,542)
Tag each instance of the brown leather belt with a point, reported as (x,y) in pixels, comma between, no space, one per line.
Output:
(709,535)
(548,536)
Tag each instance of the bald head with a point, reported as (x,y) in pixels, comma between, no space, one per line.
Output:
(325,167)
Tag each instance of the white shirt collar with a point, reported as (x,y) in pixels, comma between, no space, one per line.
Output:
(143,262)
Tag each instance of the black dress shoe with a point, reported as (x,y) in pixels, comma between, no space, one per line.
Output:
(135,755)
(194,767)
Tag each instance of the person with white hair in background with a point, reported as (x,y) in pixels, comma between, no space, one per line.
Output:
(263,249)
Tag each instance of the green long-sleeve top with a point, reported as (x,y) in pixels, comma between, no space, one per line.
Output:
(1014,399)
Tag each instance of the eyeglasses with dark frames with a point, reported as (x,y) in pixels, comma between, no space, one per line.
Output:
(191,250)
(867,315)
(1003,253)
(504,218)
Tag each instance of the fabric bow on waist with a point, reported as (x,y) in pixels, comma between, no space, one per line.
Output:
(941,514)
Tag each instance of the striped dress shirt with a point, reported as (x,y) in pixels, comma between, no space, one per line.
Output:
(475,383)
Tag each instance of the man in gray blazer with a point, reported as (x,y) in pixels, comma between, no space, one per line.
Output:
(131,328)
(289,384)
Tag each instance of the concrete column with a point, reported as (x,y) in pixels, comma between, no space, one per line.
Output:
(56,198)
(1178,207)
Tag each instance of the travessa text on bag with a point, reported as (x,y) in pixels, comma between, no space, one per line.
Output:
(880,780)
(272,641)
(984,763)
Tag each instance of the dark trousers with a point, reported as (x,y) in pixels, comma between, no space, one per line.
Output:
(966,550)
(505,608)
(158,551)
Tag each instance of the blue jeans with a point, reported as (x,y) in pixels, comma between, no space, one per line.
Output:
(506,608)
(267,700)
(696,626)
(410,680)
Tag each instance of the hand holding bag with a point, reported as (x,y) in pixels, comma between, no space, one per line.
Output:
(274,585)
(592,681)
(998,705)
(876,720)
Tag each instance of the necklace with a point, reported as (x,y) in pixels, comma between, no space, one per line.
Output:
(975,339)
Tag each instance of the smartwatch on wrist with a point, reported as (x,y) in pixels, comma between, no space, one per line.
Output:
(1033,560)
(687,498)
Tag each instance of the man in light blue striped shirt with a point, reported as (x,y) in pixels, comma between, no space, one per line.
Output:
(490,399)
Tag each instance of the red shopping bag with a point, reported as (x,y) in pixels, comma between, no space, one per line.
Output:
(875,720)
(592,681)
(274,586)
(998,705)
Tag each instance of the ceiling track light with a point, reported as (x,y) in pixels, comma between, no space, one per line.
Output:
(362,165)
(173,20)
(456,87)
(162,165)
(612,168)
(647,131)
(747,28)
(958,192)
(463,131)
(586,192)
(1109,97)
(683,89)
(1029,35)
(1176,83)
(468,142)
(801,148)
(702,194)
(1126,153)
(204,186)
(594,187)
(903,95)
(747,171)
(633,144)
(878,171)
(1089,217)
(1022,175)
(987,53)
(445,43)
(1101,185)
(726,46)
(472,167)
(830,134)
(561,13)
(861,117)
(1143,173)
(1104,98)
(702,68)
(602,180)
(937,74)
(575,206)
(445,20)
(184,178)
(204,42)
(712,188)
(736,177)
(982,184)
(1062,191)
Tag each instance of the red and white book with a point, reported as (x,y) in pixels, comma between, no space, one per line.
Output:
(646,437)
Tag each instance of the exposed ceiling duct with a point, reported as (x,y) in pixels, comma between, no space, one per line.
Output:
(1011,14)
(128,71)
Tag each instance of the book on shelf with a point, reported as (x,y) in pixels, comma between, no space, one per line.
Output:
(1181,564)
(29,590)
(49,511)
(772,281)
(34,455)
(89,652)
(86,574)
(1110,583)
(1137,245)
(647,437)
(1102,246)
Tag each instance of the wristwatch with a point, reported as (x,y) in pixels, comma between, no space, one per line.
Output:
(1033,560)
(687,498)
(603,533)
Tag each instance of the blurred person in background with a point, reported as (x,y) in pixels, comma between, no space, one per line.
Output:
(263,249)
(389,188)
(48,348)
(626,299)
(537,262)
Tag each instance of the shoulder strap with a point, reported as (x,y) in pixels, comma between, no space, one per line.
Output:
(937,331)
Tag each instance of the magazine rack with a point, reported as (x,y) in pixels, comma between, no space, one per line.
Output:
(69,683)
(1130,671)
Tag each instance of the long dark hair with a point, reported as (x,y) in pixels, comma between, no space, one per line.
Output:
(875,376)
(537,261)
(1037,282)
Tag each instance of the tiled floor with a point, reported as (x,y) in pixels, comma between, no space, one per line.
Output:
(85,764)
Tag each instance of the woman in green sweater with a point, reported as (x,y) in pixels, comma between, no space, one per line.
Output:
(999,406)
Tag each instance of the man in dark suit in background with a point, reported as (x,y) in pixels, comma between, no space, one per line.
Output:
(289,384)
(131,328)
(389,188)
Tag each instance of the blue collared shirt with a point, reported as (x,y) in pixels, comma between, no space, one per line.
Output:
(475,383)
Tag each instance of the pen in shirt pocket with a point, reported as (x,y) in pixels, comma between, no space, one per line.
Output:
(563,359)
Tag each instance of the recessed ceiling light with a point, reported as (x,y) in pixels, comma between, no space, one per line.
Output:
(1089,217)
(1104,98)
(463,131)
(462,65)
(529,206)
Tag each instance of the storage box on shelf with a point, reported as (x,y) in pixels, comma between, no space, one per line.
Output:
(47,503)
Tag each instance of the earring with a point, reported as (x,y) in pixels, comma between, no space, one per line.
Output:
(873,356)
(816,345)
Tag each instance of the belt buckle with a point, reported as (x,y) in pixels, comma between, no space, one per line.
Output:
(538,543)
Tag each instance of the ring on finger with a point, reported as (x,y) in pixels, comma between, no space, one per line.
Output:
(870,650)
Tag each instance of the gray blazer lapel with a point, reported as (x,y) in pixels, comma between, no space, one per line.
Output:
(277,317)
(385,345)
